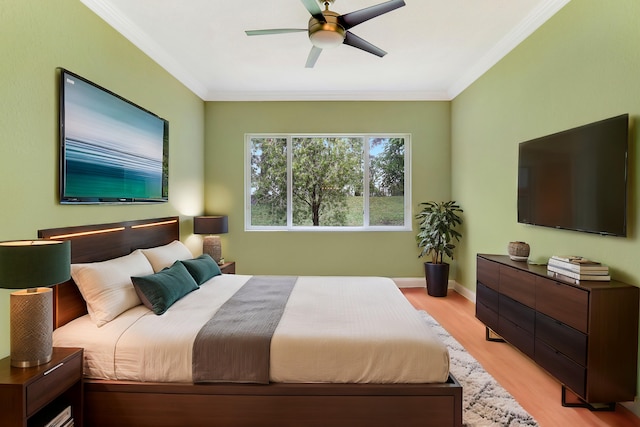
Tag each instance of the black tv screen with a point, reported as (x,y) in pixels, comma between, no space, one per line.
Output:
(576,179)
(112,150)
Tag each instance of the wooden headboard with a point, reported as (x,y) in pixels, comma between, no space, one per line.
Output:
(100,242)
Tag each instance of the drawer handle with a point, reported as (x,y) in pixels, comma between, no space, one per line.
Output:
(53,369)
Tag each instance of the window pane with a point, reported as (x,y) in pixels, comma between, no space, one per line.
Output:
(324,181)
(386,181)
(269,181)
(328,181)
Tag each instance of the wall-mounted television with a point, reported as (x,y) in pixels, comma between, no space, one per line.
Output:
(112,150)
(576,179)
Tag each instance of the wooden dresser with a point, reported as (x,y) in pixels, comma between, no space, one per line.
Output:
(584,334)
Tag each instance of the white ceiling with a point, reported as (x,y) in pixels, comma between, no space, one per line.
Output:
(436,48)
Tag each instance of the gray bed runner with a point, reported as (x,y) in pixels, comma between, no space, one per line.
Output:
(234,346)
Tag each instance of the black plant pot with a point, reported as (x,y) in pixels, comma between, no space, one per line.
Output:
(437,276)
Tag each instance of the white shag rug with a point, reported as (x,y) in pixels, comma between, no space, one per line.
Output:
(484,401)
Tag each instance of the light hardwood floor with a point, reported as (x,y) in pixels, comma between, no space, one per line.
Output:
(537,392)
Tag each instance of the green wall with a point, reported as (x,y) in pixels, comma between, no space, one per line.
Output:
(36,37)
(583,65)
(391,254)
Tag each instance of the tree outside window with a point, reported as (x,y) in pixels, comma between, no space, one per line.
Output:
(324,182)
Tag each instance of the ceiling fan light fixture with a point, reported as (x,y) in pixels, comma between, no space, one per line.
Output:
(327,38)
(328,33)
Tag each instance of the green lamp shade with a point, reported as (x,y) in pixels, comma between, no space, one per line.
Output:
(33,263)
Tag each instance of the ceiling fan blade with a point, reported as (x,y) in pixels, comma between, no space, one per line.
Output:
(314,9)
(355,41)
(313,57)
(274,31)
(352,19)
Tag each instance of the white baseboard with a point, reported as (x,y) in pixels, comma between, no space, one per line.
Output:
(465,292)
(633,406)
(410,282)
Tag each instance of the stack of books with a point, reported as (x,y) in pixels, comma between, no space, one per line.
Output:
(63,419)
(578,268)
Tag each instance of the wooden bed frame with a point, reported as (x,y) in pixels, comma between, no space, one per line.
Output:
(126,403)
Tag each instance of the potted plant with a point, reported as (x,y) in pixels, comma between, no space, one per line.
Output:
(437,221)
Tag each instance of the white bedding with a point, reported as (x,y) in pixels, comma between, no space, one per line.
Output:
(334,329)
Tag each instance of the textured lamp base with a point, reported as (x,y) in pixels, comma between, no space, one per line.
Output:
(211,245)
(31,327)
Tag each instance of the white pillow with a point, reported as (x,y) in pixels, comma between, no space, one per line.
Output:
(106,286)
(164,256)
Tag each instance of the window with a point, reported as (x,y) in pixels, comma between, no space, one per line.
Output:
(328,182)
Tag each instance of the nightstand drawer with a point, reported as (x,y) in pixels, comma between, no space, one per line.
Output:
(52,383)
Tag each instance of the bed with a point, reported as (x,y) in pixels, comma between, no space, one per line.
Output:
(298,392)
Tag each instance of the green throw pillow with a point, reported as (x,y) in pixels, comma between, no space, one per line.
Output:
(159,291)
(202,268)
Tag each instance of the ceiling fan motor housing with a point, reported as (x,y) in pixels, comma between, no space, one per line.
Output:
(326,34)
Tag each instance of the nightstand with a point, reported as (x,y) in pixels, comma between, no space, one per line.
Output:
(228,268)
(31,397)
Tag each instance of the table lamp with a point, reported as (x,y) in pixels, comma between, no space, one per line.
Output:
(211,226)
(32,266)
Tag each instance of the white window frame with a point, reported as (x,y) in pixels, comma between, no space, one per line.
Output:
(365,227)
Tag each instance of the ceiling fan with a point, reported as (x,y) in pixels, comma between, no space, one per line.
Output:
(328,29)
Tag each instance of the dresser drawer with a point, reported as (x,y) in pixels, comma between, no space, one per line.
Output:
(487,316)
(563,302)
(487,296)
(488,273)
(516,336)
(517,313)
(569,341)
(53,382)
(519,285)
(560,366)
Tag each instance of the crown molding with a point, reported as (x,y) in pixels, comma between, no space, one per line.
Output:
(524,29)
(327,96)
(142,41)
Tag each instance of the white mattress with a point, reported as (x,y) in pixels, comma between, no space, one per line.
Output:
(334,329)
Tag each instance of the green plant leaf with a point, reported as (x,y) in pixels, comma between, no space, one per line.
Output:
(436,222)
